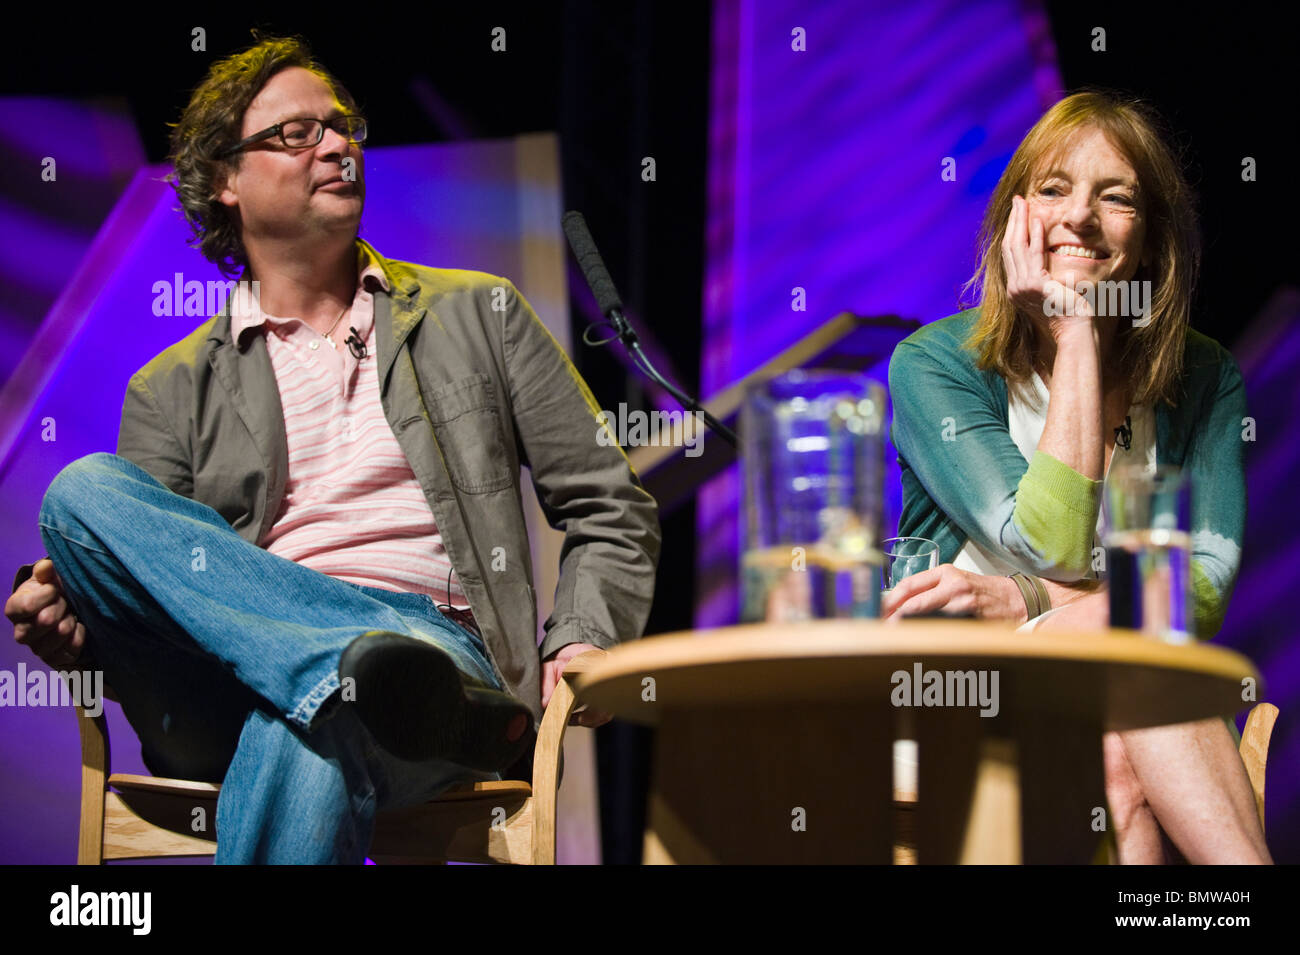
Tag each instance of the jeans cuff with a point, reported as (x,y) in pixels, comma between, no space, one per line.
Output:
(319,705)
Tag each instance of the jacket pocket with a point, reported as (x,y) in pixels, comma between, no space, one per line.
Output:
(467,423)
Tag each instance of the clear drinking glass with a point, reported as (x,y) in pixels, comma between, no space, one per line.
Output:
(812,445)
(905,556)
(1148,551)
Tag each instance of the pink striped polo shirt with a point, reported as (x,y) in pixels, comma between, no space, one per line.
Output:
(352,507)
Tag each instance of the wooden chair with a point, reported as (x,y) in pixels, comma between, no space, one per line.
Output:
(1253,749)
(125,816)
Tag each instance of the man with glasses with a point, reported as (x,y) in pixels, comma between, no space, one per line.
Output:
(305,573)
(304,133)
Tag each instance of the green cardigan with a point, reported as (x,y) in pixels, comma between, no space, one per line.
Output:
(963,476)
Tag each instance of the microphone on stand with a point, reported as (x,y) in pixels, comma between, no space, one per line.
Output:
(355,344)
(593,268)
(611,306)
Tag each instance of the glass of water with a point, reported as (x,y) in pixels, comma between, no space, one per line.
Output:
(1148,551)
(905,556)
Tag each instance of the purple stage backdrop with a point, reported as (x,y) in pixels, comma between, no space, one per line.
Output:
(830,127)
(50,219)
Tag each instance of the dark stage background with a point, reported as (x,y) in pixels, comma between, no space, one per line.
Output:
(626,80)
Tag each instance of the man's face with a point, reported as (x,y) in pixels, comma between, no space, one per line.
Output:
(283,194)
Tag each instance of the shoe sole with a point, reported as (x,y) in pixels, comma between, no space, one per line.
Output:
(415,701)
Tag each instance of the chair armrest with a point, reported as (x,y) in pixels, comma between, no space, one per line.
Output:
(1254,749)
(582,663)
(94,741)
(574,669)
(546,756)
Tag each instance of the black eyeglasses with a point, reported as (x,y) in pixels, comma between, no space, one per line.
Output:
(305,133)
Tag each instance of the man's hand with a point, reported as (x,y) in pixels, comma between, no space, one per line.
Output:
(553,669)
(949,590)
(43,619)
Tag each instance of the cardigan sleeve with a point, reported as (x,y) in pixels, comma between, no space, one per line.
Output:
(1040,515)
(1216,462)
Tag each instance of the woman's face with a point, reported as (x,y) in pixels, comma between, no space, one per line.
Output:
(1093,224)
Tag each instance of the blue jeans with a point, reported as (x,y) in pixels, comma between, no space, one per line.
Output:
(225,658)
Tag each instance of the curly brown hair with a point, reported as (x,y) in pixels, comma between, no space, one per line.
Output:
(211,122)
(1150,357)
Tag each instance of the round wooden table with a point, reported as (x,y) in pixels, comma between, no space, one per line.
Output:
(774,742)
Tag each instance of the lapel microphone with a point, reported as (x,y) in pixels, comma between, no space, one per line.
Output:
(1123,434)
(355,344)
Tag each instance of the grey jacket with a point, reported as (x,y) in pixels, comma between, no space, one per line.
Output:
(472,394)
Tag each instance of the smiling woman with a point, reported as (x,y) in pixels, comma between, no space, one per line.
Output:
(1009,417)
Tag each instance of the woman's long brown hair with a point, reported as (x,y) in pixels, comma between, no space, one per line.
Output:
(1149,356)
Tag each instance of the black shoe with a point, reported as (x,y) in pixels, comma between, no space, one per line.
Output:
(418,705)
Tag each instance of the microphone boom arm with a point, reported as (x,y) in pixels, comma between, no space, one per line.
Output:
(639,358)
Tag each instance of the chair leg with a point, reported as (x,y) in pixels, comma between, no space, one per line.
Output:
(94,784)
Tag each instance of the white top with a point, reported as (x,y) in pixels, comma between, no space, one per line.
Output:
(1027,420)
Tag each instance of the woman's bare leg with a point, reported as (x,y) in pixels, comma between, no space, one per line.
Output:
(1194,781)
(1137,834)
